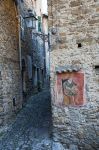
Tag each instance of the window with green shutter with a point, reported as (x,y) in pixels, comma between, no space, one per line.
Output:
(39,24)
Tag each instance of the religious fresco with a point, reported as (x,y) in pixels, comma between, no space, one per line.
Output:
(70,89)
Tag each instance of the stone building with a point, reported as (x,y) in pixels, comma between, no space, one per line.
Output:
(22,55)
(45,31)
(74,53)
(10,75)
(33,45)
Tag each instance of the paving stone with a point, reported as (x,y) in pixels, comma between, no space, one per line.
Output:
(73,147)
(57,146)
(32,127)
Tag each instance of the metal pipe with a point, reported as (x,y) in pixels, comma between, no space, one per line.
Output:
(19,22)
(20,50)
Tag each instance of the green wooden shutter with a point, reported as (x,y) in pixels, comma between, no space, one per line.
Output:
(39,24)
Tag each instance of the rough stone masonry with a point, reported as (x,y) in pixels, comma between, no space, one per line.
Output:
(10,76)
(74,43)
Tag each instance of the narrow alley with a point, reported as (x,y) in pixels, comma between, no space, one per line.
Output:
(32,127)
(49,74)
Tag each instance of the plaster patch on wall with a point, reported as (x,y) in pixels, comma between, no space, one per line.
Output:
(70,89)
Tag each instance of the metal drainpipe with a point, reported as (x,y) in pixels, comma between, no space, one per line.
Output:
(49,44)
(20,55)
(44,55)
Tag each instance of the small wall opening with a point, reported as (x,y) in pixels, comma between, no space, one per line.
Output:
(97,69)
(79,45)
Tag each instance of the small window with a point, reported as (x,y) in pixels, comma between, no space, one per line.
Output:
(97,69)
(79,45)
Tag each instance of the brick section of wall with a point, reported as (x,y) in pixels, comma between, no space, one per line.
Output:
(10,80)
(72,23)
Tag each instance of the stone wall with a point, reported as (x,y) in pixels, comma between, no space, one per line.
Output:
(74,29)
(10,77)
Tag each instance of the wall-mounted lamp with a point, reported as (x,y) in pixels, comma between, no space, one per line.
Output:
(54,30)
(31,19)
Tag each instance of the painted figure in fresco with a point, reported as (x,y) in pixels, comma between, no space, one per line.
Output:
(70,91)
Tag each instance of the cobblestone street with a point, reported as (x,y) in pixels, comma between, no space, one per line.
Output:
(32,127)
